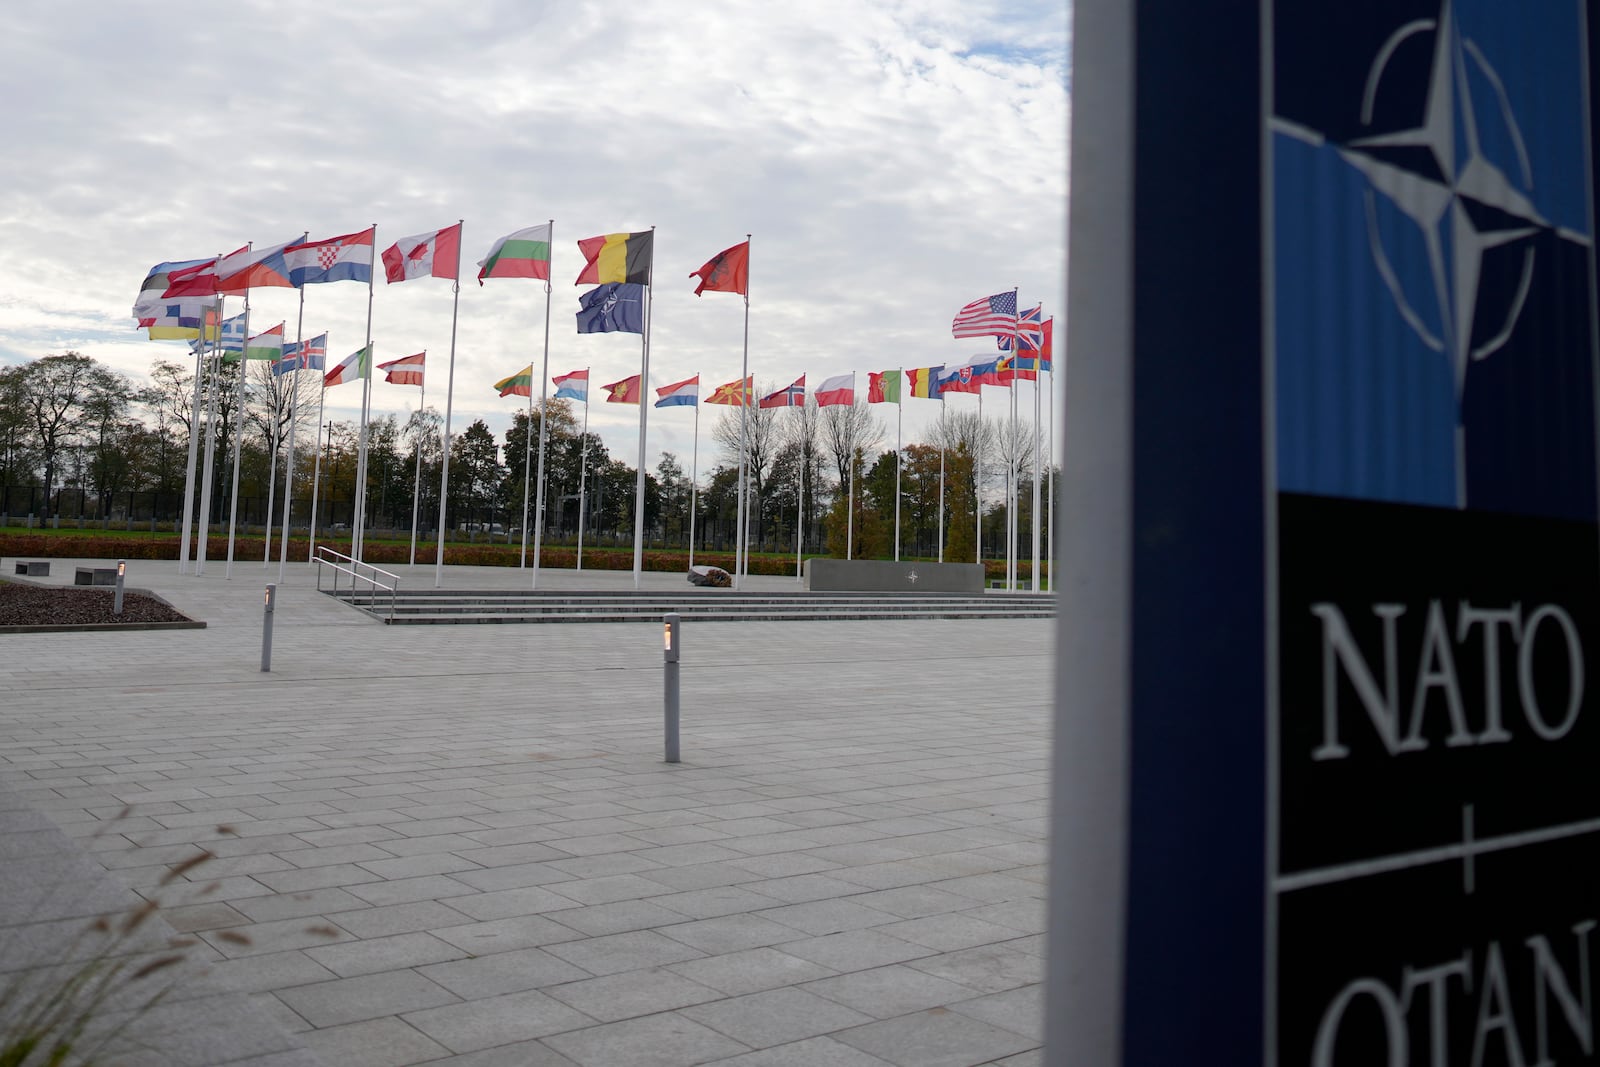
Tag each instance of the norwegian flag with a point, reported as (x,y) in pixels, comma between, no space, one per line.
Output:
(793,396)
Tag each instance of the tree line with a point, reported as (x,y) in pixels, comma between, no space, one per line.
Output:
(75,430)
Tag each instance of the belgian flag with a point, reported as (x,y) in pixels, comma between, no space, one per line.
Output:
(617,257)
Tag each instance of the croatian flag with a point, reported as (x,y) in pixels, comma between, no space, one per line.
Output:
(303,355)
(679,394)
(574,386)
(840,389)
(790,397)
(347,258)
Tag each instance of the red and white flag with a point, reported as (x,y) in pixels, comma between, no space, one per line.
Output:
(840,389)
(404,371)
(437,253)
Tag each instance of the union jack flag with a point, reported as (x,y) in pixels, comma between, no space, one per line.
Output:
(1030,331)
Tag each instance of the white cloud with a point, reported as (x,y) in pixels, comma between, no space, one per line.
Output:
(893,160)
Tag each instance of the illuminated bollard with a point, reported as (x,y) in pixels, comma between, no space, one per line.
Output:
(670,638)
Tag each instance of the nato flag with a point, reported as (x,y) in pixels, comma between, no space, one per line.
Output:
(616,307)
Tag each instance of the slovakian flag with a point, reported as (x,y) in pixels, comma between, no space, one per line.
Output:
(436,253)
(789,397)
(883,387)
(840,389)
(255,268)
(616,257)
(407,370)
(574,386)
(924,382)
(303,355)
(518,384)
(615,307)
(727,272)
(679,394)
(993,315)
(356,365)
(347,258)
(734,393)
(958,380)
(623,392)
(524,254)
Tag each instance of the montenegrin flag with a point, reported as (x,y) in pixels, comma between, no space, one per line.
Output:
(356,365)
(436,253)
(524,254)
(679,394)
(520,383)
(574,386)
(616,257)
(407,370)
(623,392)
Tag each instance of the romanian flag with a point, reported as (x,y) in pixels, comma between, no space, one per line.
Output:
(924,382)
(617,257)
(520,383)
(623,392)
(729,394)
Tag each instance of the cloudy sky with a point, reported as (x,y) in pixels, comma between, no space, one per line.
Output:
(894,159)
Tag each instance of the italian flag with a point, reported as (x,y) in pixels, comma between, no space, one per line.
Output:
(356,365)
(520,383)
(524,254)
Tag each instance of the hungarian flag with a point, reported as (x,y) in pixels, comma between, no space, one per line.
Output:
(924,382)
(520,383)
(574,386)
(623,392)
(268,344)
(733,394)
(616,257)
(727,272)
(404,371)
(791,397)
(436,253)
(253,268)
(679,394)
(884,387)
(346,258)
(840,389)
(524,254)
(356,365)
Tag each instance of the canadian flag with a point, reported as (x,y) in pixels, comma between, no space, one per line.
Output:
(437,252)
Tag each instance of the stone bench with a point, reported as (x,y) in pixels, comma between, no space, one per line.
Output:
(34,568)
(95,576)
(881,575)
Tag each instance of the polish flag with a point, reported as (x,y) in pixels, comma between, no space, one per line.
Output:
(840,389)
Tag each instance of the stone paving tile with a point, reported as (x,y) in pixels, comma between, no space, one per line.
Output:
(1019,1010)
(664,1040)
(399,918)
(856,950)
(820,917)
(518,1054)
(503,935)
(623,952)
(296,905)
(371,996)
(632,993)
(812,1052)
(935,1038)
(503,972)
(884,992)
(409,890)
(384,954)
(729,933)
(775,1017)
(258,939)
(505,903)
(387,1042)
(987,968)
(751,971)
(500,1020)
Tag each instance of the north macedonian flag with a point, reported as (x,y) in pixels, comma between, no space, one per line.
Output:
(729,394)
(617,257)
(623,392)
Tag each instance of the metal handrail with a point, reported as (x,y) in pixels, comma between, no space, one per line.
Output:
(327,557)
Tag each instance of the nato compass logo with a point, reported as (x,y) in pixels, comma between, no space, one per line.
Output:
(1431,255)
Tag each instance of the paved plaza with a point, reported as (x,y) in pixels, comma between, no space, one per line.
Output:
(460,844)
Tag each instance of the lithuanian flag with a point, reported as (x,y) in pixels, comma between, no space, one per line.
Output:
(617,257)
(520,383)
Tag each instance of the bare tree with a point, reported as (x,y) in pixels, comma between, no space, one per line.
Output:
(761,439)
(52,390)
(848,428)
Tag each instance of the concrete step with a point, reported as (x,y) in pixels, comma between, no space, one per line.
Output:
(820,615)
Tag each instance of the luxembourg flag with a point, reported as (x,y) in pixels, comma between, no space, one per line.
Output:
(347,258)
(574,386)
(680,394)
(840,389)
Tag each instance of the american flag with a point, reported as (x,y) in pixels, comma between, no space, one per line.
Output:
(1030,331)
(993,315)
(793,396)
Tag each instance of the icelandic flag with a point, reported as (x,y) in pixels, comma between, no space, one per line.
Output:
(679,394)
(347,258)
(574,386)
(615,307)
(253,268)
(303,355)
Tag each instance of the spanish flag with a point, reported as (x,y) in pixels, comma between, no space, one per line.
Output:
(617,257)
(623,392)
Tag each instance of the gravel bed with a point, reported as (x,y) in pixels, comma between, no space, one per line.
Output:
(36,605)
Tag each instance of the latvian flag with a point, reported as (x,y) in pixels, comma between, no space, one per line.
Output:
(407,370)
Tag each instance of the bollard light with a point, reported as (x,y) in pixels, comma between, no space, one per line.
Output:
(122,572)
(669,670)
(266,626)
(669,637)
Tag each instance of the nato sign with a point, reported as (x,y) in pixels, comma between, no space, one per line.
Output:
(1327,765)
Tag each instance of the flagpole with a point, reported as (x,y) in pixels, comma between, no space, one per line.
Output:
(850,508)
(741,556)
(1014,467)
(941,494)
(1050,488)
(203,520)
(316,469)
(544,429)
(977,485)
(238,429)
(1038,382)
(272,479)
(294,412)
(449,397)
(583,462)
(527,470)
(194,441)
(644,416)
(272,469)
(416,483)
(694,467)
(358,535)
(899,422)
(800,504)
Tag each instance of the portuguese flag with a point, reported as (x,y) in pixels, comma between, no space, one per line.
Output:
(524,254)
(520,383)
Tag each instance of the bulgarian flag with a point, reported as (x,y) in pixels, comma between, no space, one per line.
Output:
(520,383)
(524,254)
(356,365)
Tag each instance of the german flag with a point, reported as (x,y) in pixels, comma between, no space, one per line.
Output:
(617,257)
